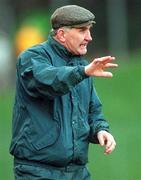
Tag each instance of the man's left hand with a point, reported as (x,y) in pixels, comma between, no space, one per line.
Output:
(107,140)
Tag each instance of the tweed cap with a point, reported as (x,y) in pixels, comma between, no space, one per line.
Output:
(71,15)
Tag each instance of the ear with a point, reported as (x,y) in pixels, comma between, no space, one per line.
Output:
(61,35)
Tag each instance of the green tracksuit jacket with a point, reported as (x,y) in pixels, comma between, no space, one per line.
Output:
(57,111)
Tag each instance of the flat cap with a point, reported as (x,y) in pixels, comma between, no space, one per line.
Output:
(71,15)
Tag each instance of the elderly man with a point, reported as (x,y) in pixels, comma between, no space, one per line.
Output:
(57,112)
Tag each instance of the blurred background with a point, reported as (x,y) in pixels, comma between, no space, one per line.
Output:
(116,33)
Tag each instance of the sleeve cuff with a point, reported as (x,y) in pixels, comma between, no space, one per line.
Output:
(82,72)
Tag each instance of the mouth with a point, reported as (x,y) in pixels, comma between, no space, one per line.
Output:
(83,45)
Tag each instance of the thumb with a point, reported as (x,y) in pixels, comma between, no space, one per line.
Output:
(101,139)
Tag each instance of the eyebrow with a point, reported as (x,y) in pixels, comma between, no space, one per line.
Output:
(86,27)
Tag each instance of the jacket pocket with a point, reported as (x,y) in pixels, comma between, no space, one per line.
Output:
(44,127)
(44,134)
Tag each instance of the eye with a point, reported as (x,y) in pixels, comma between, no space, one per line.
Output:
(83,29)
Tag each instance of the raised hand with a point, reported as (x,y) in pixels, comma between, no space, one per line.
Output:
(97,67)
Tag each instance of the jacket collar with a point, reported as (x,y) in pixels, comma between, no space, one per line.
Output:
(60,49)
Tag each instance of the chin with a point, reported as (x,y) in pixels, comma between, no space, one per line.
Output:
(83,52)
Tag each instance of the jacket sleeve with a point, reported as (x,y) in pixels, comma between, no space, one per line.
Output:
(40,78)
(96,117)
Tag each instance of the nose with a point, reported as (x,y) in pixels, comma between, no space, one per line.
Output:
(88,36)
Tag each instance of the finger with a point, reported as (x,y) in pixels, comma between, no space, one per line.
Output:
(110,146)
(105,59)
(111,65)
(101,140)
(107,74)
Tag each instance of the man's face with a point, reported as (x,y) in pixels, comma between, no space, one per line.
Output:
(77,39)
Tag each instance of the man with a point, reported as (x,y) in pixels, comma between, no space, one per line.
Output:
(57,112)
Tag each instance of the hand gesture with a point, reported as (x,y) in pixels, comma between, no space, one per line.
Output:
(97,67)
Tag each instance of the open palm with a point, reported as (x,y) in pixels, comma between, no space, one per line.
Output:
(97,67)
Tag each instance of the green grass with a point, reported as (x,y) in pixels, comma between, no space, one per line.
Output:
(6,101)
(121,98)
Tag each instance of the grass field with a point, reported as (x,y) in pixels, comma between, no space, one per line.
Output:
(121,97)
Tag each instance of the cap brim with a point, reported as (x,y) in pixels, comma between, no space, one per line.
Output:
(83,24)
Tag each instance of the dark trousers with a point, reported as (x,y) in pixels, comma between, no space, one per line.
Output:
(37,171)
